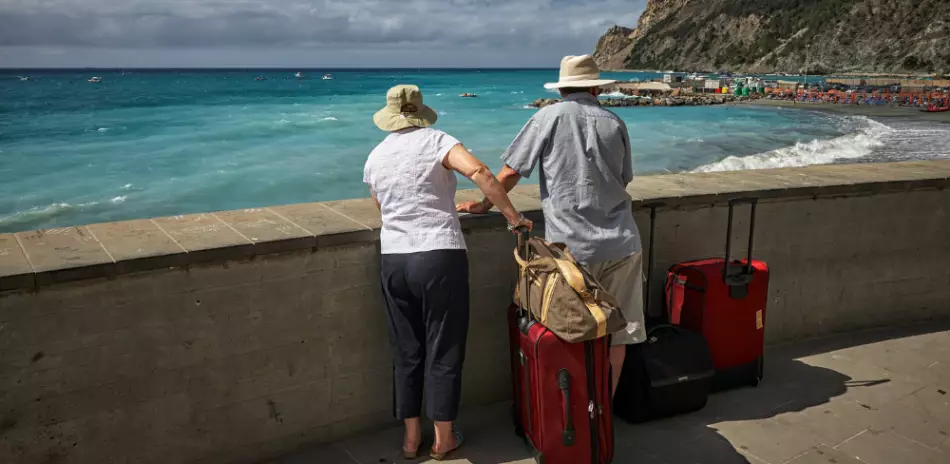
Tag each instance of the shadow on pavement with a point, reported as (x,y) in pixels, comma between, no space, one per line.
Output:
(790,385)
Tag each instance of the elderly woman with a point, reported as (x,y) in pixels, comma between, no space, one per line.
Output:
(411,175)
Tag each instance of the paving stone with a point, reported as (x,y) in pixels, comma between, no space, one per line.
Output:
(889,448)
(139,245)
(824,455)
(363,211)
(329,227)
(269,232)
(669,188)
(868,384)
(832,422)
(711,448)
(909,418)
(66,253)
(531,191)
(15,269)
(767,439)
(206,237)
(891,355)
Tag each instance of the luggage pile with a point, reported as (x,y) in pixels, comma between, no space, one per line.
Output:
(709,337)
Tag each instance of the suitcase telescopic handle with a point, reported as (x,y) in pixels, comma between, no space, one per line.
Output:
(564,383)
(651,260)
(523,315)
(523,235)
(745,276)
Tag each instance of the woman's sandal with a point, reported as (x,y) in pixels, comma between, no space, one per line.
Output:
(411,455)
(458,444)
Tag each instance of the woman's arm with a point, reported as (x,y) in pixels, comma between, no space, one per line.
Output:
(373,194)
(461,160)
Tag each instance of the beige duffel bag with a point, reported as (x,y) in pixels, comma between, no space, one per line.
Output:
(562,295)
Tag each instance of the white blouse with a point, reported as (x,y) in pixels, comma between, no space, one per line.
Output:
(415,191)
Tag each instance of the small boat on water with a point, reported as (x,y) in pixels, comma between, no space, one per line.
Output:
(328,77)
(468,95)
(24,78)
(260,78)
(95,79)
(299,75)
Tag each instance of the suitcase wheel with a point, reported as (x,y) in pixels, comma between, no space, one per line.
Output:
(759,371)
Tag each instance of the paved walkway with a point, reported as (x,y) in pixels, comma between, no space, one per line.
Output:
(880,397)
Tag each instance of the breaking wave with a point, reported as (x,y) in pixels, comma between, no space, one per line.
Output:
(39,214)
(859,144)
(615,94)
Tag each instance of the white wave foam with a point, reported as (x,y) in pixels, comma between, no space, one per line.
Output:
(329,118)
(128,187)
(103,129)
(119,199)
(615,94)
(37,213)
(859,144)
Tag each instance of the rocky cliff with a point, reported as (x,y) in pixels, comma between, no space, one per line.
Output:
(784,36)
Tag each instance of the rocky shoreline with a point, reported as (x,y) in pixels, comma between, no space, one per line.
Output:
(679,100)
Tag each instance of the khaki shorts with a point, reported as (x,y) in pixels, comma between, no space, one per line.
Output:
(623,279)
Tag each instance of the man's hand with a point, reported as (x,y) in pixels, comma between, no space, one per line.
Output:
(472,207)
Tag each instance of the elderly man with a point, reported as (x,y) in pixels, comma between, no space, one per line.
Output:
(584,153)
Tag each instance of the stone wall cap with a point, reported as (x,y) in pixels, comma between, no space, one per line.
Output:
(33,259)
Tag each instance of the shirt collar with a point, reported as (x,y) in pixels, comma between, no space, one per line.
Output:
(580,96)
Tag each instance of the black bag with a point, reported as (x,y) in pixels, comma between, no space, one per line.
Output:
(669,374)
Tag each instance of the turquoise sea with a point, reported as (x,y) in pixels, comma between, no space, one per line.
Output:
(157,143)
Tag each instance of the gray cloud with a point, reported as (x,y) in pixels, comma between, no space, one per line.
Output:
(316,25)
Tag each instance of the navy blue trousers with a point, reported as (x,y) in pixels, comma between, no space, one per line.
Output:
(427,302)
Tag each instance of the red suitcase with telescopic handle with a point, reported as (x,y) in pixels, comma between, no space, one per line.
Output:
(561,392)
(725,301)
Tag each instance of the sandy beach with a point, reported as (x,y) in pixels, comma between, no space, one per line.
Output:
(855,110)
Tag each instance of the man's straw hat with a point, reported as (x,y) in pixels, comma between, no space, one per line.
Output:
(404,109)
(578,72)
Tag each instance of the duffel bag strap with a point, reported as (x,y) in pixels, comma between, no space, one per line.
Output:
(573,276)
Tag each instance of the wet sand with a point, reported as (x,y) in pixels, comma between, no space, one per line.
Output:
(855,110)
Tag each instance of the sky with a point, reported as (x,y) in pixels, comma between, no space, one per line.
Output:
(304,33)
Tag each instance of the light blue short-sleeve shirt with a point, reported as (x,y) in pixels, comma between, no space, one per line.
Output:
(585,165)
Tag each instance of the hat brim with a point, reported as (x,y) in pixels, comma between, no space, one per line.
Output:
(579,84)
(391,121)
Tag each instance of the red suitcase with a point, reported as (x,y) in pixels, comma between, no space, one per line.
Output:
(725,303)
(561,394)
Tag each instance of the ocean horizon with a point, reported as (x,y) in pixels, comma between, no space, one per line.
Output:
(150,142)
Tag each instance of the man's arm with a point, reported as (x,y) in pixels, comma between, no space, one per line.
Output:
(520,159)
(627,174)
(508,178)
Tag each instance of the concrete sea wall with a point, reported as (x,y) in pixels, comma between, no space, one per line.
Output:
(238,336)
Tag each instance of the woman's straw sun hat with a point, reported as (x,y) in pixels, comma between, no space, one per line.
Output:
(404,109)
(578,72)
